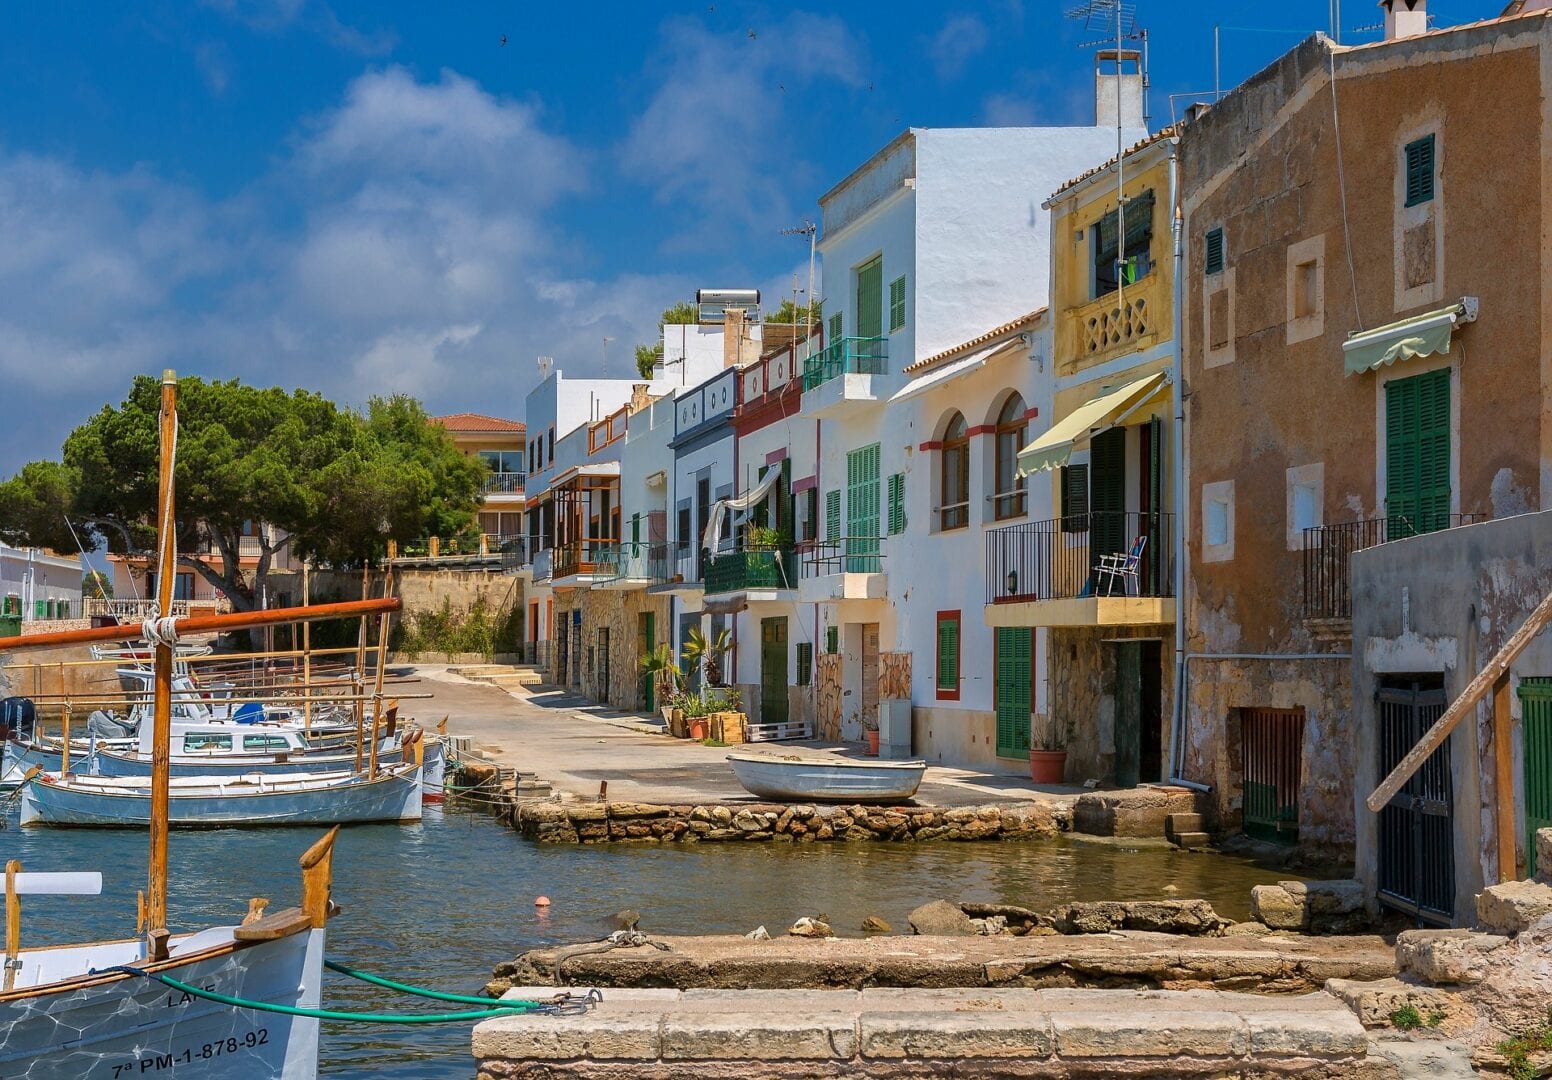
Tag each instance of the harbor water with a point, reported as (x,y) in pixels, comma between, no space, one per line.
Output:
(439,903)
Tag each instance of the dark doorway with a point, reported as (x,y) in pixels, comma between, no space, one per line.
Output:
(1417,826)
(773,671)
(1151,763)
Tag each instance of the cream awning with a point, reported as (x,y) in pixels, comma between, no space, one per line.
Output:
(1421,335)
(1056,445)
(937,376)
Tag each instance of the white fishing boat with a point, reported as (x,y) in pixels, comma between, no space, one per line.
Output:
(795,778)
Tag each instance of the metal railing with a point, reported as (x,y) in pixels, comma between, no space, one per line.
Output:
(514,552)
(535,653)
(581,556)
(543,562)
(503,483)
(627,559)
(846,356)
(132,610)
(848,555)
(1060,559)
(1328,549)
(751,568)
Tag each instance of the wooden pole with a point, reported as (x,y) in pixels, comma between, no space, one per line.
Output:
(1503,776)
(377,687)
(13,922)
(307,651)
(64,752)
(161,716)
(1475,691)
(208,624)
(356,683)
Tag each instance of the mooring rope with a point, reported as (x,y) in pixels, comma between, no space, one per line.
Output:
(620,939)
(561,1005)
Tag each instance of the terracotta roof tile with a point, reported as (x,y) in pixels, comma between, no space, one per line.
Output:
(468,421)
(1005,330)
(1163,133)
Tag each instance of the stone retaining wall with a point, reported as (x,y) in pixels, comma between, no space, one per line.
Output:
(597,823)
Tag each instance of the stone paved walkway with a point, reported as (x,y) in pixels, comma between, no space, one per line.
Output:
(575,745)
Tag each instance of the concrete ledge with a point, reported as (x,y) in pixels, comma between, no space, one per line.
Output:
(1010,1033)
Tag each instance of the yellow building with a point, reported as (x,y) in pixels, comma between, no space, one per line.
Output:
(502,444)
(1100,576)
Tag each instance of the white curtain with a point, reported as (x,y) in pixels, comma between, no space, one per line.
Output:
(742,502)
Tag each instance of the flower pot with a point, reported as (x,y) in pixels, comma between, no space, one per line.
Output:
(700,728)
(1047,766)
(872,742)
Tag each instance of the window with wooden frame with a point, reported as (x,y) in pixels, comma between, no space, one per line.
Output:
(1010,497)
(897,303)
(1075,498)
(805,665)
(948,656)
(1419,154)
(954,475)
(832,639)
(1115,262)
(1214,260)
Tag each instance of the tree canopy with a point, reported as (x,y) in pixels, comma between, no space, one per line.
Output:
(282,468)
(792,313)
(647,356)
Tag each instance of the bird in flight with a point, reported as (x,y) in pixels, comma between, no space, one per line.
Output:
(503,40)
(752,35)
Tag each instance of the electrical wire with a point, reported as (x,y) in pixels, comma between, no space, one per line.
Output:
(1341,180)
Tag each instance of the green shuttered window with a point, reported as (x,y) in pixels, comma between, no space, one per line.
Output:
(862,510)
(836,326)
(1419,170)
(805,663)
(948,656)
(1014,682)
(1215,250)
(1075,498)
(833,515)
(1417,453)
(896,503)
(832,639)
(897,303)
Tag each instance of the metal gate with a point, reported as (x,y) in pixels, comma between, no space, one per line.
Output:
(576,648)
(603,663)
(1272,748)
(1417,826)
(1536,724)
(773,670)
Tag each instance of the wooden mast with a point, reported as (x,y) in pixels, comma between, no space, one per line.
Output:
(382,663)
(161,717)
(307,651)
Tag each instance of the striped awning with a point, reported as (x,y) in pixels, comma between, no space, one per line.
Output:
(1053,448)
(1421,335)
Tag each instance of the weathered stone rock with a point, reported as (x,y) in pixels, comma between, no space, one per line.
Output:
(721,815)
(807,927)
(700,813)
(1513,906)
(759,933)
(1445,957)
(625,920)
(1544,855)
(637,810)
(875,925)
(1246,929)
(744,821)
(941,917)
(1373,1002)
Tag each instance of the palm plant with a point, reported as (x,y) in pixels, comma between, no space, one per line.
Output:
(706,654)
(660,665)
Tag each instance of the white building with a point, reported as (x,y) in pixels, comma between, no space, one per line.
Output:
(37,585)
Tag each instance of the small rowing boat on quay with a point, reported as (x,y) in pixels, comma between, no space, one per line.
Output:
(826,778)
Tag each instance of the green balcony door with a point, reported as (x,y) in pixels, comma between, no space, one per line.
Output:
(773,671)
(1014,680)
(1107,495)
(1536,717)
(1417,453)
(862,510)
(870,299)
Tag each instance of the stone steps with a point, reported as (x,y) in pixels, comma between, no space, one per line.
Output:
(1137,813)
(504,676)
(759,1034)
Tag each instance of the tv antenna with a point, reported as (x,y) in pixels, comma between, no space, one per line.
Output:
(545,364)
(810,230)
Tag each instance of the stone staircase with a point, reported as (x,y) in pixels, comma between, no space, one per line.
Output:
(1153,811)
(513,678)
(1185,830)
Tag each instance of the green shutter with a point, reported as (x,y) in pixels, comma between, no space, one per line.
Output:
(948,654)
(862,506)
(836,326)
(1075,498)
(832,640)
(896,503)
(1536,712)
(870,300)
(805,663)
(897,303)
(1417,453)
(1419,170)
(1215,250)
(1107,494)
(833,515)
(1012,690)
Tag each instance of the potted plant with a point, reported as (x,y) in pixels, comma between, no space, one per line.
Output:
(1047,750)
(870,732)
(695,717)
(659,666)
(764,538)
(706,654)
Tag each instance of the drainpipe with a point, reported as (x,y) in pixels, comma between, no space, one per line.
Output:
(1177,726)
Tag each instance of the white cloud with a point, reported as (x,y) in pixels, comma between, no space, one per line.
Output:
(410,362)
(961,39)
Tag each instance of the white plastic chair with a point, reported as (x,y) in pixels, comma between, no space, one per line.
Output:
(1123,566)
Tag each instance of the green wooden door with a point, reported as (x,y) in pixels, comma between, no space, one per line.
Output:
(1536,719)
(1128,713)
(646,641)
(1417,453)
(1107,495)
(773,671)
(862,510)
(870,300)
(1014,680)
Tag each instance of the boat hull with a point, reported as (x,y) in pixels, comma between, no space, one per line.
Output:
(133,1027)
(394,796)
(812,780)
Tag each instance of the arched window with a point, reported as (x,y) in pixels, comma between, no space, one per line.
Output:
(954,475)
(1009,498)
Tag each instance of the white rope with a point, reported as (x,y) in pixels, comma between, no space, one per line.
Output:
(157,630)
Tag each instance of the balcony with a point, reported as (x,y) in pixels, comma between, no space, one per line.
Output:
(1114,324)
(542,565)
(850,568)
(1328,600)
(674,567)
(849,373)
(500,484)
(623,566)
(1046,573)
(763,570)
(579,561)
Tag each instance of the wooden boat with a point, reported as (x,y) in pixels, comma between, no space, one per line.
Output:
(811,779)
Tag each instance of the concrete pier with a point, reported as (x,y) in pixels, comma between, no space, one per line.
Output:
(759,1034)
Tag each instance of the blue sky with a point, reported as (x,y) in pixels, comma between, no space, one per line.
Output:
(378,197)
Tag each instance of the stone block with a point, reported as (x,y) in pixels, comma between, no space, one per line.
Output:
(1150,1032)
(954,1035)
(616,1035)
(1445,957)
(766,1036)
(1372,1001)
(940,917)
(1314,906)
(1513,906)
(1325,1034)
(1544,855)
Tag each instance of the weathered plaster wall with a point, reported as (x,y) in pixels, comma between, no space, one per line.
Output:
(1446,603)
(618,611)
(966,738)
(1083,694)
(827,693)
(894,675)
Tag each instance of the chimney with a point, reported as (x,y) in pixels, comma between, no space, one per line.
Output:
(1405,18)
(639,398)
(732,336)
(1118,88)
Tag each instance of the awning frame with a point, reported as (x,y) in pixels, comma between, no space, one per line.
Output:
(1406,339)
(1128,399)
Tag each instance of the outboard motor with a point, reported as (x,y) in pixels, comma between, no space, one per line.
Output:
(18,719)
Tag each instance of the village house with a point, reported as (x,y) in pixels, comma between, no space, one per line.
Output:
(37,585)
(502,445)
(1367,369)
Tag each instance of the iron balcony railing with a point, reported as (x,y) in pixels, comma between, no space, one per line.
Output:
(751,568)
(514,552)
(1063,558)
(503,483)
(1328,549)
(581,556)
(846,356)
(627,559)
(848,555)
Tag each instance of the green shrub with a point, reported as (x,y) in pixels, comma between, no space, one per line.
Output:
(1406,1018)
